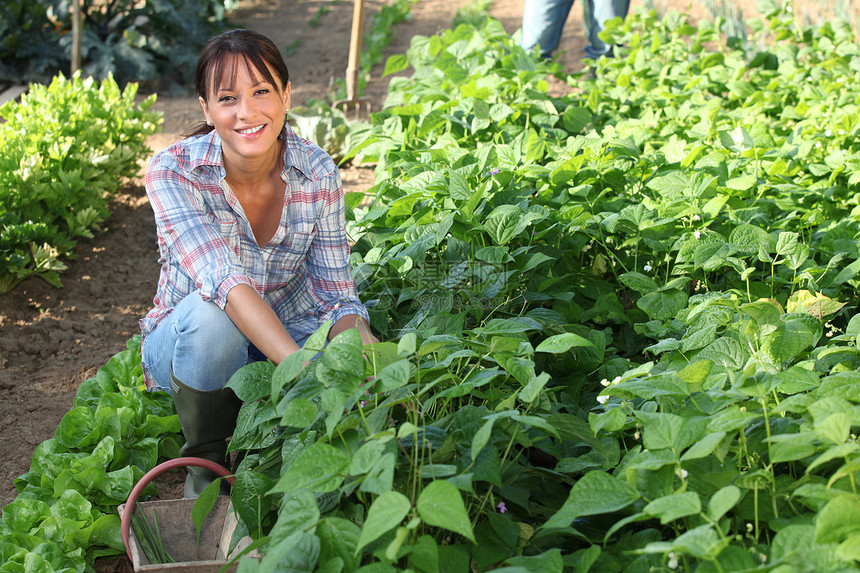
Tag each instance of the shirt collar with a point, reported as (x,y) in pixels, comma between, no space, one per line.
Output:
(206,150)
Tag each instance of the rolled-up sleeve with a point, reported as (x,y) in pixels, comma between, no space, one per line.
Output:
(333,287)
(193,241)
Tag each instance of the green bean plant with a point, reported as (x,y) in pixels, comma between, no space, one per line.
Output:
(620,324)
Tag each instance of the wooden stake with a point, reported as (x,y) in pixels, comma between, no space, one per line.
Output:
(76,36)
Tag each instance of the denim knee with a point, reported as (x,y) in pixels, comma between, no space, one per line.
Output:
(209,348)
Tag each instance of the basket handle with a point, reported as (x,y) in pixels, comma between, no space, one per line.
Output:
(125,522)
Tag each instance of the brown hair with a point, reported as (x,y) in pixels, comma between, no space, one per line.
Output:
(258,52)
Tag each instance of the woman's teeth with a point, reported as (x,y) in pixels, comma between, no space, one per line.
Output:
(251,130)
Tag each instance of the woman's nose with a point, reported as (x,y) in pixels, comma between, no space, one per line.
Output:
(246,107)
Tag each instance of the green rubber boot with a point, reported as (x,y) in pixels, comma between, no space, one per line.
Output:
(207,418)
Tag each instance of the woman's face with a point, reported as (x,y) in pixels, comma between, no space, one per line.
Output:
(246,111)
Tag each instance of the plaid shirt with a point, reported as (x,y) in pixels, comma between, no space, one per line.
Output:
(206,242)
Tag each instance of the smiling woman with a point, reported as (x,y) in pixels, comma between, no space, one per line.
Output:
(251,231)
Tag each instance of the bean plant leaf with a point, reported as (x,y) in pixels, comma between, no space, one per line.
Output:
(395,63)
(663,305)
(561,343)
(319,468)
(386,513)
(339,538)
(204,503)
(639,282)
(253,381)
(441,505)
(595,493)
(837,520)
(672,507)
(504,222)
(299,413)
(723,501)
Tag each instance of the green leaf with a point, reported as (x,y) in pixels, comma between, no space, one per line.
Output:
(849,550)
(835,428)
(698,338)
(300,413)
(724,351)
(837,520)
(395,63)
(671,185)
(639,282)
(504,223)
(561,343)
(319,468)
(659,430)
(704,447)
(531,391)
(723,501)
(741,183)
(441,505)
(249,497)
(386,513)
(675,506)
(286,371)
(394,376)
(253,381)
(298,512)
(298,553)
(737,140)
(792,539)
(203,505)
(549,561)
(595,493)
(339,538)
(663,305)
(575,118)
(406,345)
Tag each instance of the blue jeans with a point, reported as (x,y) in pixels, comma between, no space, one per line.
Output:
(200,342)
(543,22)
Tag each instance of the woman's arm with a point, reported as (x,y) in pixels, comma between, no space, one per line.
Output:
(256,319)
(353,321)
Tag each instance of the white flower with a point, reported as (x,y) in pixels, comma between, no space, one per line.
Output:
(637,436)
(683,473)
(696,218)
(604,382)
(841,132)
(697,233)
(616,380)
(673,561)
(817,145)
(827,133)
(647,268)
(602,399)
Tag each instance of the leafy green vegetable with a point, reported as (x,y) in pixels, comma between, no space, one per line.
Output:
(65,149)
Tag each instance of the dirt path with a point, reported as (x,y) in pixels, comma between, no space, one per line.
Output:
(53,339)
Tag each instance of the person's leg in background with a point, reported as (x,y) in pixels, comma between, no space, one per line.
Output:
(597,12)
(192,354)
(543,22)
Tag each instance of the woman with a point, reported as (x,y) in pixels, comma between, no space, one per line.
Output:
(253,248)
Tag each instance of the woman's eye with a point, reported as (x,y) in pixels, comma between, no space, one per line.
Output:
(263,91)
(225,98)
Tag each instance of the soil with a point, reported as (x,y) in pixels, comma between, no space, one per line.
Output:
(53,339)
